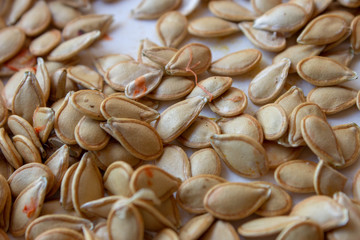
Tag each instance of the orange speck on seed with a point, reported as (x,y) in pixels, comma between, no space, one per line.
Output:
(30,209)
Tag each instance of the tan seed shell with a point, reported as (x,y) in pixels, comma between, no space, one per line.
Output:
(139,138)
(284,18)
(7,204)
(196,226)
(17,9)
(221,229)
(170,210)
(43,122)
(268,84)
(195,56)
(166,234)
(43,78)
(12,40)
(323,30)
(320,6)
(5,168)
(65,188)
(27,149)
(355,35)
(174,161)
(160,182)
(231,103)
(296,176)
(86,77)
(58,84)
(322,71)
(88,102)
(278,154)
(269,41)
(230,11)
(144,45)
(211,27)
(72,47)
(302,230)
(159,55)
(205,161)
(323,210)
(344,56)
(100,207)
(236,63)
(60,234)
(4,113)
(215,86)
(327,180)
(191,193)
(262,6)
(314,130)
(172,28)
(117,178)
(62,14)
(290,99)
(8,149)
(36,19)
(350,3)
(105,62)
(177,118)
(344,14)
(232,201)
(152,9)
(46,42)
(307,5)
(188,6)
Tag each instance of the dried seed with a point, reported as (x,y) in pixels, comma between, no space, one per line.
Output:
(160,182)
(328,181)
(320,6)
(323,210)
(347,16)
(43,78)
(46,42)
(236,63)
(88,102)
(117,178)
(196,226)
(80,4)
(342,56)
(350,3)
(211,87)
(12,40)
(58,84)
(137,137)
(6,204)
(152,9)
(232,201)
(193,58)
(170,210)
(172,28)
(62,14)
(274,121)
(65,188)
(104,63)
(54,207)
(72,47)
(244,124)
(101,231)
(211,27)
(269,41)
(231,103)
(188,6)
(284,18)
(159,55)
(191,193)
(144,45)
(5,168)
(60,233)
(43,122)
(166,233)
(100,207)
(36,19)
(27,149)
(268,84)
(205,161)
(17,9)
(302,230)
(221,229)
(230,11)
(4,113)
(296,176)
(314,130)
(290,99)
(87,23)
(355,35)
(86,77)
(8,149)
(177,118)
(356,186)
(307,5)
(174,161)
(262,6)
(278,154)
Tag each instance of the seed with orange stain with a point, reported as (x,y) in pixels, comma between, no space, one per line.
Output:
(22,60)
(140,85)
(39,129)
(30,209)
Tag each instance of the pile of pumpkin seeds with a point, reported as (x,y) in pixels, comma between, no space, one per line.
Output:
(124,147)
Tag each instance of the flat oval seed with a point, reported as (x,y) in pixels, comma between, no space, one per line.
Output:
(27,206)
(323,210)
(278,154)
(356,186)
(191,58)
(87,184)
(327,180)
(267,226)
(211,27)
(12,40)
(215,86)
(230,11)
(314,130)
(170,210)
(100,207)
(8,149)
(269,41)
(302,230)
(159,55)
(205,161)
(221,229)
(46,42)
(244,124)
(232,201)
(322,71)
(342,98)
(66,189)
(171,28)
(172,88)
(188,6)
(355,35)
(231,103)
(350,3)
(320,6)
(191,193)
(236,63)
(296,53)
(88,102)
(199,133)
(105,62)
(160,182)
(4,113)
(137,137)
(267,84)
(232,147)
(290,99)
(86,77)
(62,14)
(174,161)
(152,9)
(348,138)
(177,118)
(18,8)
(117,178)
(296,176)
(274,121)
(323,30)
(344,56)
(27,149)
(43,78)
(196,226)
(286,17)
(36,19)
(262,6)
(166,233)
(60,233)
(72,47)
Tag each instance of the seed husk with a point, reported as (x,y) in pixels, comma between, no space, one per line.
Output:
(196,226)
(344,56)
(60,233)
(166,233)
(46,42)
(12,40)
(5,168)
(296,176)
(8,149)
(188,6)
(100,207)
(65,189)
(307,5)
(86,77)
(231,103)
(344,14)
(17,9)
(152,9)
(211,27)
(27,149)
(320,6)
(205,161)
(88,102)
(230,11)
(62,14)
(4,113)
(117,178)
(327,180)
(172,28)
(302,230)
(290,99)
(221,229)
(159,55)
(350,3)
(215,86)
(236,63)
(105,62)
(278,154)
(356,186)
(355,35)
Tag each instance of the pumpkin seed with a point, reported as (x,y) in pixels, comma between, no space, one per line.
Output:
(62,14)
(268,84)
(117,178)
(170,210)
(296,176)
(355,39)
(211,87)
(290,99)
(80,4)
(205,161)
(100,207)
(328,181)
(8,149)
(166,233)
(144,45)
(350,3)
(12,40)
(152,9)
(342,56)
(43,78)
(230,11)
(231,103)
(6,212)
(211,27)
(4,113)
(320,6)
(5,168)
(66,190)
(302,230)
(26,149)
(60,233)
(86,77)
(196,226)
(104,63)
(43,122)
(188,6)
(17,9)
(159,55)
(46,42)
(356,186)
(278,154)
(347,16)
(171,28)
(58,84)
(101,231)
(262,6)
(307,5)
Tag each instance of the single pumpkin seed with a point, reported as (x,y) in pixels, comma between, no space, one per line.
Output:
(43,122)
(5,215)
(86,77)
(27,149)
(344,14)
(343,56)
(12,40)
(46,42)
(290,99)
(17,9)
(230,11)
(171,28)
(188,6)
(105,62)
(8,149)
(205,161)
(100,207)
(278,154)
(58,82)
(262,6)
(43,78)
(66,190)
(60,233)
(62,14)
(231,103)
(328,181)
(88,102)
(350,3)
(196,226)
(152,9)
(117,178)
(159,55)
(302,230)
(211,27)
(211,87)
(355,35)
(320,6)
(166,233)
